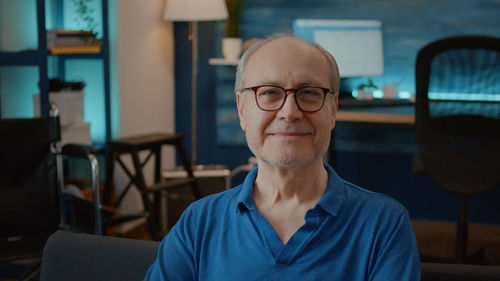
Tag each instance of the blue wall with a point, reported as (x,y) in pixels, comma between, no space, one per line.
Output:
(375,161)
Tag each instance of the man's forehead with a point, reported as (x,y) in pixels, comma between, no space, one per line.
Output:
(278,53)
(282,44)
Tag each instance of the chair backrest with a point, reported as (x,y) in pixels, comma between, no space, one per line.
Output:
(458,112)
(29,198)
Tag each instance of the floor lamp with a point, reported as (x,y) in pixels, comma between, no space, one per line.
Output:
(194,11)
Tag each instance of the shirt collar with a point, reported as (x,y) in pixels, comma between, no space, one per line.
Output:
(330,202)
(245,198)
(332,199)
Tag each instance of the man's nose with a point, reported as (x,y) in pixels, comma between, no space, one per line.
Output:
(290,109)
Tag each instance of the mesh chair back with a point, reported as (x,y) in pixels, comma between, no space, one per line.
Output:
(458,112)
(28,177)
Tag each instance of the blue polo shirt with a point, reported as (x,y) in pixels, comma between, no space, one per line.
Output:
(351,234)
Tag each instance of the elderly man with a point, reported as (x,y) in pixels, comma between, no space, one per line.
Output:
(293,218)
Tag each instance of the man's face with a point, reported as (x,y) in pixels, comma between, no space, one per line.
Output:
(287,137)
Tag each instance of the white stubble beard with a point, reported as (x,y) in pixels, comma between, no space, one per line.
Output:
(289,159)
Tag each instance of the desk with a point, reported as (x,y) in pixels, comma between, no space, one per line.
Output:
(382,130)
(387,114)
(373,147)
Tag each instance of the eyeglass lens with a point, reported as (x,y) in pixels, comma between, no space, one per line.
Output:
(307,98)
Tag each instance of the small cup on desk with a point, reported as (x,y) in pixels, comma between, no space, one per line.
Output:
(389,91)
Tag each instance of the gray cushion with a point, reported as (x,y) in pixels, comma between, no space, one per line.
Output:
(85,257)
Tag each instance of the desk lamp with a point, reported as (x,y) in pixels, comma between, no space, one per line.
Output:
(194,11)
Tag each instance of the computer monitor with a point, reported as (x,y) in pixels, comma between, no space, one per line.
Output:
(355,44)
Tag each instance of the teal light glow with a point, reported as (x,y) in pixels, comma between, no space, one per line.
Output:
(404,95)
(91,72)
(355,93)
(18,85)
(73,21)
(464,96)
(378,94)
(18,28)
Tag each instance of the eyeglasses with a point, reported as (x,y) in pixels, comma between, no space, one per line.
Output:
(271,98)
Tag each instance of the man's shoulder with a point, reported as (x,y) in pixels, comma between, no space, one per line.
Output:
(353,195)
(371,200)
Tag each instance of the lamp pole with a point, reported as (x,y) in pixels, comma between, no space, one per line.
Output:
(194,11)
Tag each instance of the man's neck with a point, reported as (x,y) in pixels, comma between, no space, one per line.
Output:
(283,195)
(304,185)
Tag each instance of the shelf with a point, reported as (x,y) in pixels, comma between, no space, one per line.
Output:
(80,56)
(75,50)
(33,57)
(222,61)
(19,58)
(403,114)
(38,57)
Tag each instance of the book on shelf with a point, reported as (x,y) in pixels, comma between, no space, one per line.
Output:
(69,32)
(71,38)
(76,50)
(76,42)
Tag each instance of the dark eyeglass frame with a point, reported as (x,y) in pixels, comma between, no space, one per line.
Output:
(256,88)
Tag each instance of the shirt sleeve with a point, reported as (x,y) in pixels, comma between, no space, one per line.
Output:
(397,258)
(175,258)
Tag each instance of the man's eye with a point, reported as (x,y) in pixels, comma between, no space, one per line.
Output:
(270,92)
(309,92)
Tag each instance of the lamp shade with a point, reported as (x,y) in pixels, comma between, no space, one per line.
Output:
(195,10)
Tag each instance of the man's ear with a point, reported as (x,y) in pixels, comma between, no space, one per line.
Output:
(241,110)
(335,104)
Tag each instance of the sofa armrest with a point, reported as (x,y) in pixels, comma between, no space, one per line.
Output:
(83,257)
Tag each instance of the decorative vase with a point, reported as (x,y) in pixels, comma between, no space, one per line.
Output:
(231,48)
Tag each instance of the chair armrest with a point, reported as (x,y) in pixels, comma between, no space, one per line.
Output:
(81,257)
(90,153)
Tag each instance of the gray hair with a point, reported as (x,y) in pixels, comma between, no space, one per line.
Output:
(241,70)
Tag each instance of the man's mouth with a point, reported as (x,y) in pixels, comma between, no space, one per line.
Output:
(288,134)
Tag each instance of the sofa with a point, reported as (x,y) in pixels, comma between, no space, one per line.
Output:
(85,257)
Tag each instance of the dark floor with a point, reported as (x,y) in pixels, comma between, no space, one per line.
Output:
(438,239)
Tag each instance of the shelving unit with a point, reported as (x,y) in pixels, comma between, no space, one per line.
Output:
(39,58)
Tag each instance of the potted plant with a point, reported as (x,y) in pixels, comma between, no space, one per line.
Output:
(365,90)
(84,17)
(232,43)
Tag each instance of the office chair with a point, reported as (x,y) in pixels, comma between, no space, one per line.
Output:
(458,119)
(31,180)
